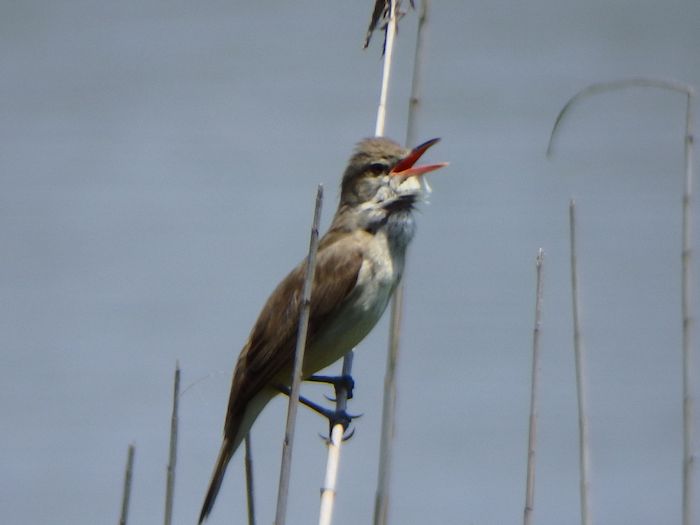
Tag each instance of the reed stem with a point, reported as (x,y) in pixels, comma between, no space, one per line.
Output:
(534,388)
(286,465)
(383,492)
(126,493)
(172,455)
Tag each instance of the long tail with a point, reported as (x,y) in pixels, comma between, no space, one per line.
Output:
(238,423)
(217,477)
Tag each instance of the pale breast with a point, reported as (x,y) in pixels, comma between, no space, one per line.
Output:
(379,274)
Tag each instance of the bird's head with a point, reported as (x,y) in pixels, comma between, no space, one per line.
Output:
(382,174)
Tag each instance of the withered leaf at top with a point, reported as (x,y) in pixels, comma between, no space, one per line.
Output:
(381,10)
(380,14)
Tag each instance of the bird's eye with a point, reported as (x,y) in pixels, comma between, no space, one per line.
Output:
(377,168)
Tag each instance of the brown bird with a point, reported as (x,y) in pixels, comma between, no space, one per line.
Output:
(359,263)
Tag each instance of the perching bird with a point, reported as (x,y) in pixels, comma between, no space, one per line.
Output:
(359,263)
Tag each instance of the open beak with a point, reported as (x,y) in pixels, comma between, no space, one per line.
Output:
(405,167)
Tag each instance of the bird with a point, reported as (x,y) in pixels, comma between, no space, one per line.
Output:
(359,263)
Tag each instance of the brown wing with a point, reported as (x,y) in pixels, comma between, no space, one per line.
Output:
(271,344)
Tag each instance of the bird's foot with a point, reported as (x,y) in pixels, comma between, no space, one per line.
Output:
(334,417)
(340,383)
(339,417)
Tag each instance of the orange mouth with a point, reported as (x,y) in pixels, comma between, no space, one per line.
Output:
(405,167)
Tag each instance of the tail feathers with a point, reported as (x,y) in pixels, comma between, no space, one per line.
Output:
(216,479)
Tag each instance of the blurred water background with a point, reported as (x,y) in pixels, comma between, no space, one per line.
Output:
(158,162)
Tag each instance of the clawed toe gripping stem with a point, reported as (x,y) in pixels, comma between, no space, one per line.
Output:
(339,416)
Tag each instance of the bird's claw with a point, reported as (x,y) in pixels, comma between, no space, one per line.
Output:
(345,436)
(340,417)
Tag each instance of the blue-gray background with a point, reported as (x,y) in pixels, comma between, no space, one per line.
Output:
(158,162)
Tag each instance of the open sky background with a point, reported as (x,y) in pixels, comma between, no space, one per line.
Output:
(158,163)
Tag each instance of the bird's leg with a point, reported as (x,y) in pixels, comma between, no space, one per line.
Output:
(305,401)
(338,382)
(334,417)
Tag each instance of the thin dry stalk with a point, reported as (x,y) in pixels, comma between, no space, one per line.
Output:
(686,264)
(285,468)
(126,493)
(386,72)
(172,456)
(417,80)
(687,313)
(328,491)
(382,495)
(249,484)
(580,373)
(534,387)
(381,501)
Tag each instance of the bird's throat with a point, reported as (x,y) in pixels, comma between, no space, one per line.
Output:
(400,229)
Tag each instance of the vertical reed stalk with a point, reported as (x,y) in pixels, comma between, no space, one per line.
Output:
(686,284)
(382,496)
(172,456)
(534,387)
(249,482)
(335,440)
(328,491)
(580,373)
(386,72)
(286,465)
(126,493)
(417,80)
